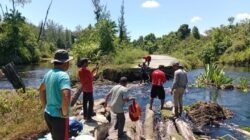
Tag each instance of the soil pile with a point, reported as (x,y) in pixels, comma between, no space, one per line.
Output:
(203,113)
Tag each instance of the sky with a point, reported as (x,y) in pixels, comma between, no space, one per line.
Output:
(141,16)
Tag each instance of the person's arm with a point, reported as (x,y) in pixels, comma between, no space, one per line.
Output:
(128,99)
(65,102)
(95,70)
(42,93)
(64,83)
(106,99)
(174,82)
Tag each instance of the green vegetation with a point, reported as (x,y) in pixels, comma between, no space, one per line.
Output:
(21,114)
(214,76)
(166,114)
(243,84)
(108,41)
(245,128)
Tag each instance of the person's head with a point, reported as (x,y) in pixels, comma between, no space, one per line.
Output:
(61,59)
(83,62)
(176,65)
(161,67)
(123,81)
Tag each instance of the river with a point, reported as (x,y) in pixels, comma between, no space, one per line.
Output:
(235,100)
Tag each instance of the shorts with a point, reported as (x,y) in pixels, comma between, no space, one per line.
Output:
(158,91)
(144,76)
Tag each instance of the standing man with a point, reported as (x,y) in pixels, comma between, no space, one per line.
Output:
(147,59)
(86,78)
(158,79)
(118,98)
(55,96)
(178,88)
(144,72)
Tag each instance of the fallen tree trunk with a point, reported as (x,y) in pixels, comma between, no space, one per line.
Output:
(11,74)
(175,128)
(149,124)
(171,132)
(184,129)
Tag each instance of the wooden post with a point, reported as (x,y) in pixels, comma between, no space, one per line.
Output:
(11,74)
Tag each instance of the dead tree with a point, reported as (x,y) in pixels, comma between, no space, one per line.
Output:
(11,74)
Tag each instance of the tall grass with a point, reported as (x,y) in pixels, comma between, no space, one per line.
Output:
(21,114)
(213,75)
(243,84)
(128,55)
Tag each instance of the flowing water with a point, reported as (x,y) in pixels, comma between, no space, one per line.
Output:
(235,100)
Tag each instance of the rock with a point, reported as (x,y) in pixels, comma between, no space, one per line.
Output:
(227,86)
(97,128)
(133,129)
(168,105)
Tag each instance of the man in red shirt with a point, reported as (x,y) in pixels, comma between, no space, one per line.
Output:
(86,78)
(158,79)
(147,59)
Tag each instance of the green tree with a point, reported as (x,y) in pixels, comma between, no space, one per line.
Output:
(100,11)
(106,32)
(195,32)
(150,43)
(122,27)
(17,43)
(183,31)
(231,20)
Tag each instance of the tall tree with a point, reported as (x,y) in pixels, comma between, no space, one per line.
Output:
(100,11)
(106,32)
(150,43)
(231,20)
(195,32)
(122,27)
(183,31)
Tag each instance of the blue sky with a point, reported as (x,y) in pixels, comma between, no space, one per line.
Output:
(141,16)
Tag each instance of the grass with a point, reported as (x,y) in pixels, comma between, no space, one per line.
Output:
(213,75)
(21,114)
(245,128)
(243,84)
(166,113)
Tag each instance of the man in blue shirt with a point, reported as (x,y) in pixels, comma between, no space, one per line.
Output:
(55,96)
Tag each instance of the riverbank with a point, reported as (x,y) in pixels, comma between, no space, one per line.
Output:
(21,115)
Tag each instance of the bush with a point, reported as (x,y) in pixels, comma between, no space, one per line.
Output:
(128,55)
(214,76)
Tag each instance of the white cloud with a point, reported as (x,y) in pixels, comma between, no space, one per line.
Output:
(242,16)
(195,18)
(150,4)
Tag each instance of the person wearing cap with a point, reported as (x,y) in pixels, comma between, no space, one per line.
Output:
(119,97)
(55,96)
(178,88)
(158,79)
(86,78)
